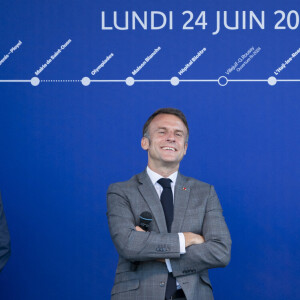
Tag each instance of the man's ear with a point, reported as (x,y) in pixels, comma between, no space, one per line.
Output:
(145,143)
(185,148)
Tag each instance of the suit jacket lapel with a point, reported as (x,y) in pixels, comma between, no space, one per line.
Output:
(181,198)
(149,193)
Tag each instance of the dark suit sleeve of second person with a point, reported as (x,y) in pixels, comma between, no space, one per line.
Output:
(215,251)
(131,244)
(4,238)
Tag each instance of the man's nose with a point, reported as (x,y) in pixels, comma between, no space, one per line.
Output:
(171,137)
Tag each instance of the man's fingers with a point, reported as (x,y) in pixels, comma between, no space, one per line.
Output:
(200,239)
(192,239)
(138,228)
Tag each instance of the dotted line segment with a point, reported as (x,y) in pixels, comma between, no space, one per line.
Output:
(54,80)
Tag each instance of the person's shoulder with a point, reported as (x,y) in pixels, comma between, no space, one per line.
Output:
(198,187)
(193,182)
(124,185)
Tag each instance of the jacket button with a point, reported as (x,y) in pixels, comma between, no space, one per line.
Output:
(162,284)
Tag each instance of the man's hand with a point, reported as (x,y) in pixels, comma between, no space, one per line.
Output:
(192,239)
(138,228)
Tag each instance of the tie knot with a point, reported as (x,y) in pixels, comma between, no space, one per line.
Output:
(165,182)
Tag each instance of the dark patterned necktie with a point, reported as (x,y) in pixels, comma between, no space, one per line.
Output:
(166,199)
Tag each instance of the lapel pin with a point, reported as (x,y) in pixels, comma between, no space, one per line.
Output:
(184,188)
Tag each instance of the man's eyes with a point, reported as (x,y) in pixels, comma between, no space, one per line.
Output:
(179,134)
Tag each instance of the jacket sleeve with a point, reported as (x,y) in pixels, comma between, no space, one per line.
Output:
(131,244)
(4,238)
(215,251)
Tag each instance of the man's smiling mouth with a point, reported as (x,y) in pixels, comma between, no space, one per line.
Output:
(169,148)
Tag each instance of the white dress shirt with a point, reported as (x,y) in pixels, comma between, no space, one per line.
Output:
(154,178)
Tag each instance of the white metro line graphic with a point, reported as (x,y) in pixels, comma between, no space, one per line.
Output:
(86,81)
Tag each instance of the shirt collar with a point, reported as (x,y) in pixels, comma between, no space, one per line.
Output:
(154,176)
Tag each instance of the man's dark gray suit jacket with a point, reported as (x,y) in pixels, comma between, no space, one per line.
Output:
(4,238)
(196,209)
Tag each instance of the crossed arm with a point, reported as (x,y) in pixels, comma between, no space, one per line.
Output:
(190,237)
(130,243)
(202,252)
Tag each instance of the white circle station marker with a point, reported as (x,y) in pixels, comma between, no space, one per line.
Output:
(222,81)
(272,80)
(174,80)
(130,81)
(35,81)
(85,81)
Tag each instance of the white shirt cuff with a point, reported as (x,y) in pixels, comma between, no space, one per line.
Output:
(182,250)
(168,263)
(181,242)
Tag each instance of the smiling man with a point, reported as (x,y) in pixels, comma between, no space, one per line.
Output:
(165,138)
(187,233)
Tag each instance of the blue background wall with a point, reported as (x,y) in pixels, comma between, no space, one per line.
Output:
(62,144)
